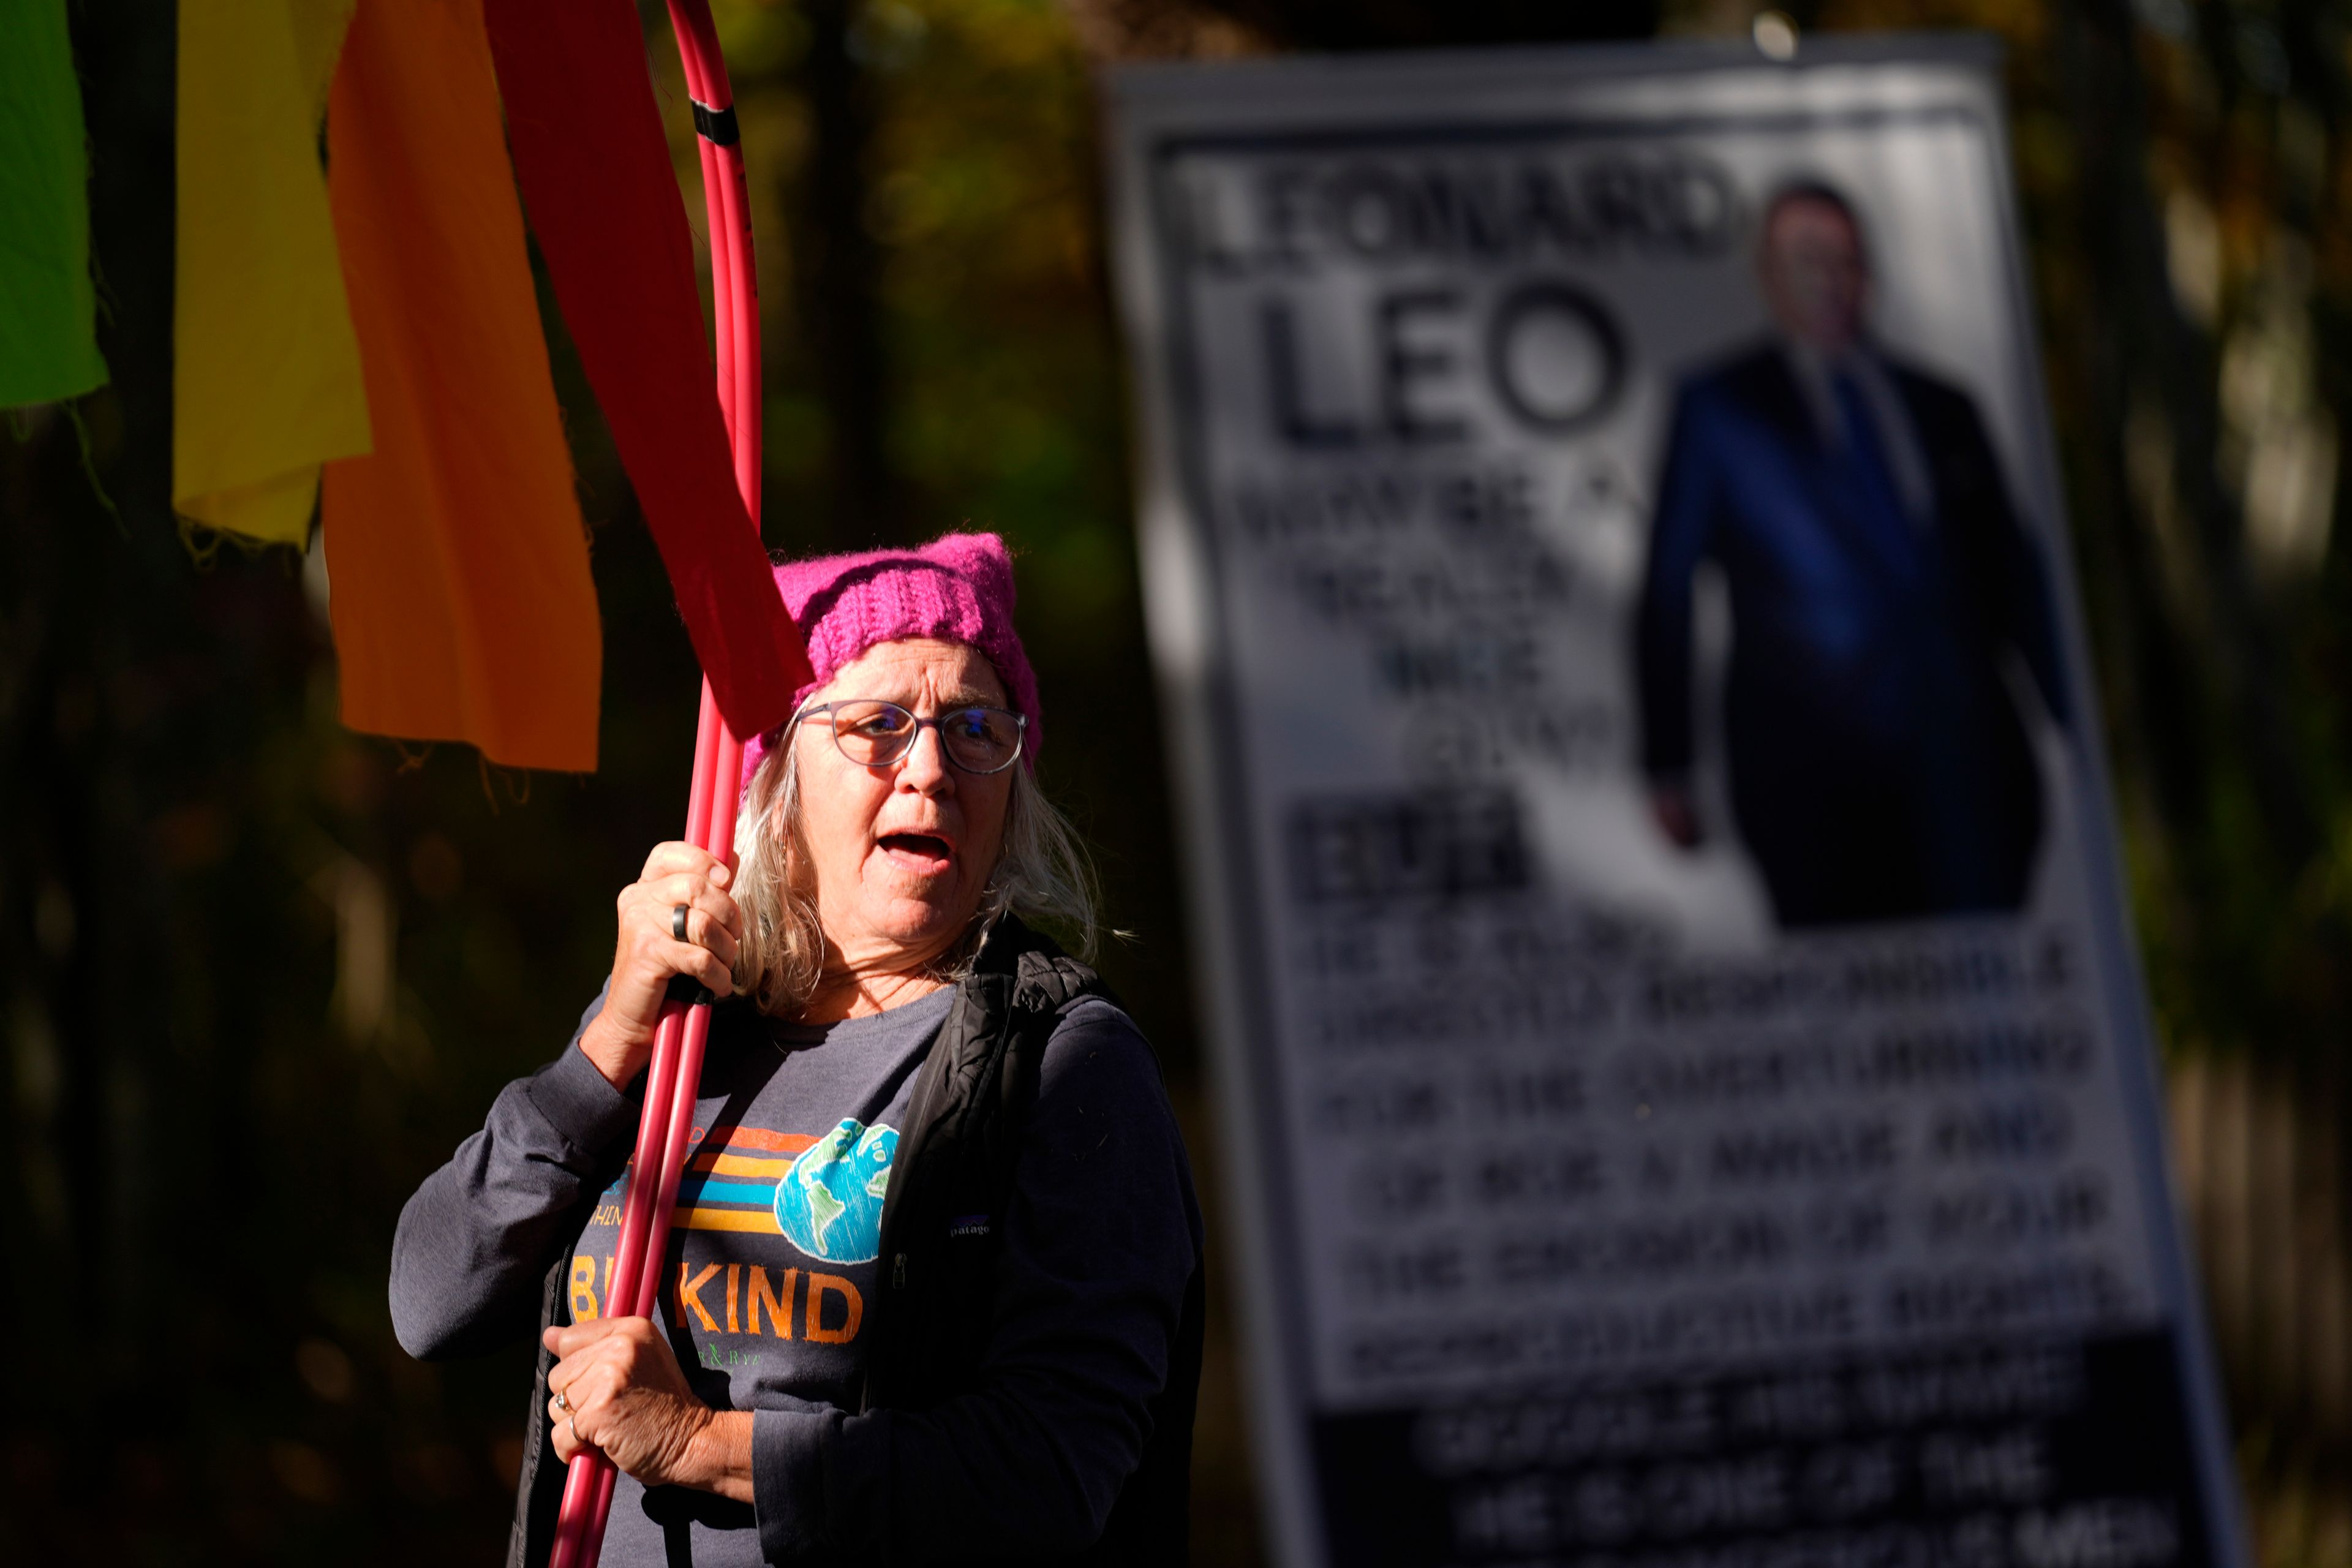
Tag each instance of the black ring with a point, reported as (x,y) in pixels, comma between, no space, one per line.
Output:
(716,126)
(678,923)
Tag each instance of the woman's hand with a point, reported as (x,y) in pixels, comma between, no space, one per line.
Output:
(619,1388)
(620,1038)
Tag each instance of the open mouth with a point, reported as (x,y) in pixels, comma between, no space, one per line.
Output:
(917,851)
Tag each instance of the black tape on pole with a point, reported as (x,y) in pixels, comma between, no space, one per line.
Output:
(716,126)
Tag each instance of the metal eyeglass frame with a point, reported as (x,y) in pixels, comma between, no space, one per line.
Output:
(914,735)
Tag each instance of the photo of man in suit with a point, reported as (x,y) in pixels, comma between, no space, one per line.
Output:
(1881,589)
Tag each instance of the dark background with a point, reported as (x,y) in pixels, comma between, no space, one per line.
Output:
(258,973)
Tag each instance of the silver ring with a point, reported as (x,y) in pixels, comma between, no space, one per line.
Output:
(574,1424)
(677,921)
(561,1401)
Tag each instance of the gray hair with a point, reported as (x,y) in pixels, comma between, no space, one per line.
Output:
(1042,874)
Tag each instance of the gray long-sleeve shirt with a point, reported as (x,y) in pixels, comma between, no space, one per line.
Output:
(771,1259)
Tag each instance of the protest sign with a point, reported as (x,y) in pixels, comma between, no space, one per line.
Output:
(1689,1091)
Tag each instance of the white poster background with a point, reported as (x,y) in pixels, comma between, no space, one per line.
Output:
(1470,1154)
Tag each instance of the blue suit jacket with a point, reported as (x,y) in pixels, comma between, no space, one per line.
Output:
(1879,765)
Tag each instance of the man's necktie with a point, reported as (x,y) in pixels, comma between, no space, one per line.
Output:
(1878,500)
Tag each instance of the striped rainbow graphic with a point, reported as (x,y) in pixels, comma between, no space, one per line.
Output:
(731,1182)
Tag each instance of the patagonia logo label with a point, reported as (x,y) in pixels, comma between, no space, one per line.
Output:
(967,1225)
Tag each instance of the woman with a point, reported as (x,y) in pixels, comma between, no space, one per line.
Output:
(899,1069)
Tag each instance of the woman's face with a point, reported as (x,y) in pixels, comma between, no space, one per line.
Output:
(902,853)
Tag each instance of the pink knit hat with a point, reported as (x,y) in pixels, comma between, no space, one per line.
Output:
(958,588)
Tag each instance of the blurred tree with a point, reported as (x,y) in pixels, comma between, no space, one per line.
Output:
(838,266)
(1158,27)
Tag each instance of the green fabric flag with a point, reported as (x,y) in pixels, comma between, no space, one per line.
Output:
(48,347)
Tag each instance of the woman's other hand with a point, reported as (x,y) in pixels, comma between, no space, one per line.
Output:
(647,953)
(619,1388)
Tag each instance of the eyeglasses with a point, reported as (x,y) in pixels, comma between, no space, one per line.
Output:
(875,734)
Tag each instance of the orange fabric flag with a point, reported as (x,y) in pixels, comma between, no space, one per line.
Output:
(460,593)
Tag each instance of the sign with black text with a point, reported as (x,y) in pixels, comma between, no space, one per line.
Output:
(1689,1094)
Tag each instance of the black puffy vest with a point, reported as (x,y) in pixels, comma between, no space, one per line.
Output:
(929,1324)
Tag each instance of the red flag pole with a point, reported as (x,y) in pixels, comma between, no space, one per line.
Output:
(666,1125)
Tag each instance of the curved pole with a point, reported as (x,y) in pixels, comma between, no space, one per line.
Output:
(674,1073)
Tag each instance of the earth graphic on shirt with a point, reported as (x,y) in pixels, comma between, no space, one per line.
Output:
(830,1203)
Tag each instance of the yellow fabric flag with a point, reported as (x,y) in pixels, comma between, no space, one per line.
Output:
(265,379)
